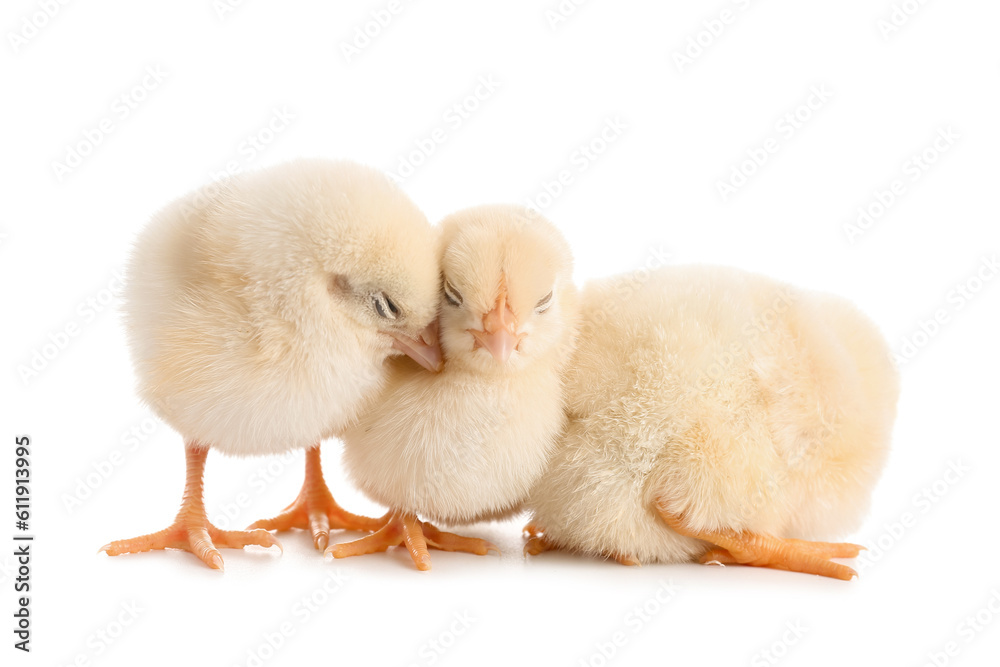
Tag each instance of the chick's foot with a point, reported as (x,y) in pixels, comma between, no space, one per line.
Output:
(537,543)
(315,509)
(403,528)
(532,529)
(191,530)
(199,537)
(762,550)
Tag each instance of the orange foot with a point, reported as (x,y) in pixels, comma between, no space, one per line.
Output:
(191,530)
(402,528)
(315,509)
(762,550)
(537,543)
(531,529)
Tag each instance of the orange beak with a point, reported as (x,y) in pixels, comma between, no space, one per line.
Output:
(499,334)
(425,349)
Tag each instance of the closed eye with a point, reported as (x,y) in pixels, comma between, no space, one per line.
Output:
(544,303)
(384,306)
(453,296)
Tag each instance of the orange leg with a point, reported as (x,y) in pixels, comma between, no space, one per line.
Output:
(403,528)
(191,530)
(315,509)
(761,550)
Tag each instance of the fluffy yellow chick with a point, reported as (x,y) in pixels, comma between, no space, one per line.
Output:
(466,444)
(259,315)
(717,414)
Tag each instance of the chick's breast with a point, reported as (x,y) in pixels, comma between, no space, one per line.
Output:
(730,399)
(454,447)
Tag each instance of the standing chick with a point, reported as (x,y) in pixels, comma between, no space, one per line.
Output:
(716,413)
(259,314)
(467,444)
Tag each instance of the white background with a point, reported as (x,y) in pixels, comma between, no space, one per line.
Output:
(653,189)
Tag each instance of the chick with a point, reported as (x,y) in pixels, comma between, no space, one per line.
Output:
(715,413)
(467,444)
(259,315)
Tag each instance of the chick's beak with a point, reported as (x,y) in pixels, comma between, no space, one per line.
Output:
(499,333)
(425,349)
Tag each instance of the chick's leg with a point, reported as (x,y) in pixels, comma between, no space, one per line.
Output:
(762,550)
(403,528)
(315,509)
(191,530)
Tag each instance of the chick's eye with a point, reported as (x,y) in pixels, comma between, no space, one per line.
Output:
(452,295)
(384,306)
(544,303)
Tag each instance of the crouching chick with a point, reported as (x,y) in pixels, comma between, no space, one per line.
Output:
(717,415)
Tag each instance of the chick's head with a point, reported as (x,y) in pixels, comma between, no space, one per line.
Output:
(508,297)
(342,252)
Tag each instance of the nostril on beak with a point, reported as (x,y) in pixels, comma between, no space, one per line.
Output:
(501,317)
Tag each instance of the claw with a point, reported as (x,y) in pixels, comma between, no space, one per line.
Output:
(762,550)
(191,530)
(315,509)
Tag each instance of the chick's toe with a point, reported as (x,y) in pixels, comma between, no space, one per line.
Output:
(762,550)
(191,529)
(315,509)
(406,529)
